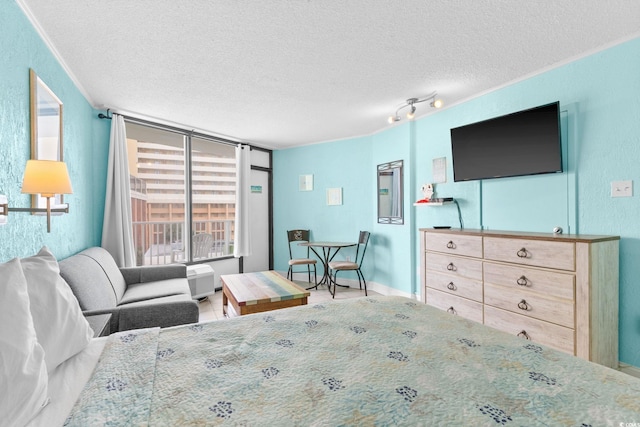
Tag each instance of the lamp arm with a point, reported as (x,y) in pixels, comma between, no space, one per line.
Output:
(431,96)
(5,209)
(400,108)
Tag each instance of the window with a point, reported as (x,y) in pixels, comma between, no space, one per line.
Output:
(183,207)
(212,199)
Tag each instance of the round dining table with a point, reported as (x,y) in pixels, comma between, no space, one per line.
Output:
(329,250)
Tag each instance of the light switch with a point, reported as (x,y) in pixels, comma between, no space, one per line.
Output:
(621,188)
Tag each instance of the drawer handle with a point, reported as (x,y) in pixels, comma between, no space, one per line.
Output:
(451,245)
(451,310)
(524,334)
(522,281)
(522,253)
(451,267)
(451,286)
(522,305)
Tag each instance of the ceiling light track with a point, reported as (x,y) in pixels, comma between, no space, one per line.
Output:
(435,103)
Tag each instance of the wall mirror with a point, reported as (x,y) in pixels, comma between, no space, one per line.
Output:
(390,195)
(46,129)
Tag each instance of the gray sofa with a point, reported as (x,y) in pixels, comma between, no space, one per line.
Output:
(136,297)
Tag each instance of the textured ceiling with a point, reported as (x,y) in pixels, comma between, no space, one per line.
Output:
(281,73)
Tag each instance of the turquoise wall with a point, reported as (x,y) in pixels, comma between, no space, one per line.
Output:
(600,120)
(349,164)
(390,243)
(85,146)
(295,209)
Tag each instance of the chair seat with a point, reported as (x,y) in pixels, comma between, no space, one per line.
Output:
(343,265)
(302,261)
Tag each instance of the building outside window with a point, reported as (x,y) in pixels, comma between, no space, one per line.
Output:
(183,208)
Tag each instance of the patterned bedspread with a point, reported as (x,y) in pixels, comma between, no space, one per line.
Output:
(382,361)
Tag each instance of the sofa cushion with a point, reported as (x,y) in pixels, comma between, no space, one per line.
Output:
(153,273)
(89,284)
(110,268)
(160,300)
(163,312)
(151,290)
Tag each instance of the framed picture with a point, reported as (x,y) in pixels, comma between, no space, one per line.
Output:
(334,196)
(305,183)
(439,169)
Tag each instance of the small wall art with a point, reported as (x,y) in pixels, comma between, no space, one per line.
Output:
(334,196)
(305,183)
(439,169)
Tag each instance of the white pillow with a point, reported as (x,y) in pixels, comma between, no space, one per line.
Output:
(23,373)
(60,326)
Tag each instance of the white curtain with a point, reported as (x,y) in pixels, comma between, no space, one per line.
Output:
(117,229)
(242,241)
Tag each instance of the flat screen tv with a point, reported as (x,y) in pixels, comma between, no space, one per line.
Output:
(523,143)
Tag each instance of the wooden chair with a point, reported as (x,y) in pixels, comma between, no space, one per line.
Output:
(355,265)
(295,237)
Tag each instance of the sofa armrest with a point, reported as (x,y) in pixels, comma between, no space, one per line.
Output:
(99,323)
(152,273)
(154,315)
(87,313)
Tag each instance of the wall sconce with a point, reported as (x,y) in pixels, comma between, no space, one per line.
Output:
(435,103)
(44,177)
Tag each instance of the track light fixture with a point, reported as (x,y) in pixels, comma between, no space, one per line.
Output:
(435,103)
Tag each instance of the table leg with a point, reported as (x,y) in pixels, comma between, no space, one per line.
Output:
(225,302)
(326,258)
(325,265)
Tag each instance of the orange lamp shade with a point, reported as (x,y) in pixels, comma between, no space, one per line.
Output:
(46,177)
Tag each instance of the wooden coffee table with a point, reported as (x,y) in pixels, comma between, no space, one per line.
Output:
(257,292)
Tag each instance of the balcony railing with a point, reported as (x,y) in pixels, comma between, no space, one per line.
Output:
(158,242)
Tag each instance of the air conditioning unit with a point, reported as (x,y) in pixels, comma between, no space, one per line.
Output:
(201,280)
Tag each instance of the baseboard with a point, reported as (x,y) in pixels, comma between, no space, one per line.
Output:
(629,369)
(373,286)
(386,290)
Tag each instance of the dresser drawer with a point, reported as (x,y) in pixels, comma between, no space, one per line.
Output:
(454,285)
(456,244)
(545,282)
(458,266)
(530,304)
(455,305)
(546,333)
(560,255)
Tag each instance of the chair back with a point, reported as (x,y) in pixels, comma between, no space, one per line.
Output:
(297,236)
(202,244)
(363,240)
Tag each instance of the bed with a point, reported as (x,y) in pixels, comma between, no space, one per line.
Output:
(363,361)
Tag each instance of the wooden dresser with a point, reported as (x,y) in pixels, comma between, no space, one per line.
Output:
(557,290)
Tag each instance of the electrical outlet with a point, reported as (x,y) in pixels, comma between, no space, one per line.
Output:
(621,188)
